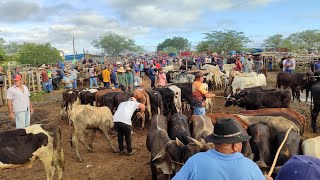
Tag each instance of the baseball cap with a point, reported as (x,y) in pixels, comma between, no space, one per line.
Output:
(17,78)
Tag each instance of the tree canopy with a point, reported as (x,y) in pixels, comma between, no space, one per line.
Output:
(37,54)
(223,41)
(115,44)
(307,40)
(176,43)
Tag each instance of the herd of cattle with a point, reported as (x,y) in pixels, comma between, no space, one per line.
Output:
(172,136)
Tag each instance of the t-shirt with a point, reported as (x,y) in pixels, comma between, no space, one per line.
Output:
(125,111)
(106,75)
(45,77)
(74,73)
(67,81)
(198,93)
(136,81)
(20,100)
(91,71)
(152,73)
(215,165)
(162,79)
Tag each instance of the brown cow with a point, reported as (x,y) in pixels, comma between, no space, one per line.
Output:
(100,94)
(143,98)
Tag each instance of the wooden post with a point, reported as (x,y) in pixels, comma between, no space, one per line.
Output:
(29,79)
(9,76)
(32,79)
(38,81)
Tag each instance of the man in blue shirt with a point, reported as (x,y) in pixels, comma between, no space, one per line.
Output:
(225,162)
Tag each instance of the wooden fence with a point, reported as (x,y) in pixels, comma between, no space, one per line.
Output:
(32,79)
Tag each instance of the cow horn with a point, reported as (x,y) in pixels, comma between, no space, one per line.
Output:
(228,96)
(198,143)
(179,143)
(162,152)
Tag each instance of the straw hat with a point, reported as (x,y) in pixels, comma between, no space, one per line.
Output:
(128,69)
(121,69)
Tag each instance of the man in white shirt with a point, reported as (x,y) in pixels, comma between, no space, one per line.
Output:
(19,105)
(122,122)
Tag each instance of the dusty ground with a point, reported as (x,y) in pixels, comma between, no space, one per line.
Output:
(103,163)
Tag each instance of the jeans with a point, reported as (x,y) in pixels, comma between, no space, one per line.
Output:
(106,84)
(22,119)
(199,111)
(123,130)
(270,66)
(74,84)
(153,80)
(93,80)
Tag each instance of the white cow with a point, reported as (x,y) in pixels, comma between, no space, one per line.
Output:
(168,68)
(248,81)
(210,67)
(311,147)
(91,117)
(177,97)
(209,101)
(227,68)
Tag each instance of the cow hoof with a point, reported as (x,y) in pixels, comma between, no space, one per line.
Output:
(116,150)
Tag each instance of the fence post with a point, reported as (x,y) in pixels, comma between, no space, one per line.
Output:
(32,79)
(9,75)
(38,81)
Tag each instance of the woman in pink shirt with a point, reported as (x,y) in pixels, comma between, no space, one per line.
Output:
(162,79)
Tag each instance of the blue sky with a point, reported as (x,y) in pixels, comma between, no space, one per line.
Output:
(151,22)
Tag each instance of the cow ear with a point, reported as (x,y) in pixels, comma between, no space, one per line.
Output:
(162,152)
(179,143)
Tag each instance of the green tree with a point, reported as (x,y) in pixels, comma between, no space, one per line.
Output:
(12,47)
(203,46)
(274,41)
(179,43)
(170,49)
(37,54)
(306,39)
(226,40)
(115,44)
(2,55)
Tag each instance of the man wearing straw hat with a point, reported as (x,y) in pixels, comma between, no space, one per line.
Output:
(19,104)
(226,160)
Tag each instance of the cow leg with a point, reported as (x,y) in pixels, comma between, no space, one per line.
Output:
(75,143)
(293,94)
(48,164)
(153,170)
(83,141)
(93,134)
(105,132)
(143,120)
(307,94)
(314,115)
(298,95)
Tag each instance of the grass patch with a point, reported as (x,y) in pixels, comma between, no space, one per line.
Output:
(36,96)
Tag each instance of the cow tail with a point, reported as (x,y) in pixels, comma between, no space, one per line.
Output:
(71,117)
(58,155)
(148,104)
(160,105)
(311,101)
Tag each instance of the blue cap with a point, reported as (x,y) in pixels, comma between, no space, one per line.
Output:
(300,167)
(137,69)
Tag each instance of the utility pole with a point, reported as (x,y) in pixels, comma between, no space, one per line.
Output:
(74,55)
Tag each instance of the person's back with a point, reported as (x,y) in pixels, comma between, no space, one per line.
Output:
(106,75)
(213,164)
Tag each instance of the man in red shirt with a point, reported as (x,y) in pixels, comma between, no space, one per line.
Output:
(45,81)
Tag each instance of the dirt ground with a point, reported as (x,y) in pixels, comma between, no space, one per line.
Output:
(103,163)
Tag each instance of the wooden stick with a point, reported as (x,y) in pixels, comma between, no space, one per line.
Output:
(278,152)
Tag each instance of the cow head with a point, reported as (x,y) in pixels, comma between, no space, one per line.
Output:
(169,158)
(230,101)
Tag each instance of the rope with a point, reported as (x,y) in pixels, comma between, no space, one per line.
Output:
(222,97)
(278,152)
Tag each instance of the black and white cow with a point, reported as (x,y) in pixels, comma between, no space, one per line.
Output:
(21,147)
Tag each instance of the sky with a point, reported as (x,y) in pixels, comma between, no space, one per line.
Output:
(150,22)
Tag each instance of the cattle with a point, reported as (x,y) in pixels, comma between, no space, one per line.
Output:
(209,101)
(295,81)
(186,91)
(143,98)
(177,97)
(311,147)
(88,96)
(183,77)
(170,75)
(297,119)
(113,99)
(210,67)
(167,96)
(165,153)
(245,80)
(261,99)
(315,102)
(99,95)
(309,84)
(291,147)
(201,126)
(21,147)
(260,144)
(70,99)
(214,80)
(85,117)
(179,128)
(168,68)
(156,102)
